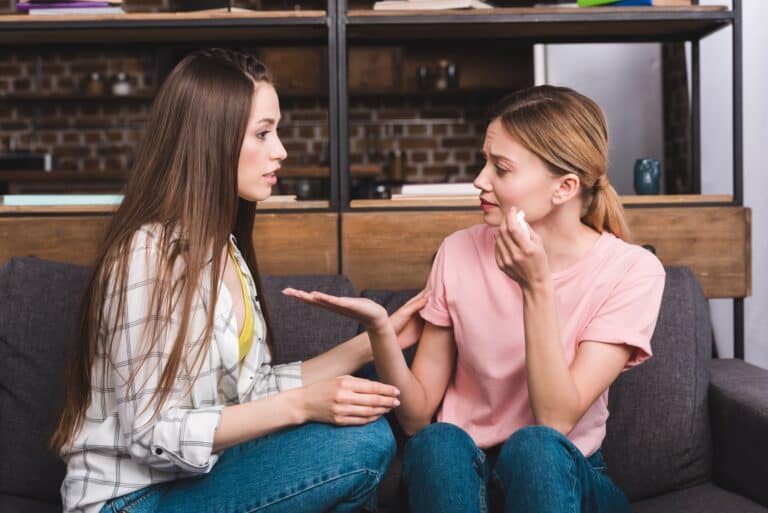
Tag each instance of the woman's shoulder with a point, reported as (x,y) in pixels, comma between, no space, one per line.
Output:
(633,259)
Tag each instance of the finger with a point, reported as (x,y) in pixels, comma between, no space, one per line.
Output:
(376,400)
(354,410)
(503,254)
(366,386)
(355,421)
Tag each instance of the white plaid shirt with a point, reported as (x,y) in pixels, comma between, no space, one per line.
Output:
(121,448)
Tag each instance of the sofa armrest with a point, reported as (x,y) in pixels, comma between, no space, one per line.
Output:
(738,401)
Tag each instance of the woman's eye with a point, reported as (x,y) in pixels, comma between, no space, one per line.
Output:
(262,135)
(500,171)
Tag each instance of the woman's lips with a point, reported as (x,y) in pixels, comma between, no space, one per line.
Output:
(271,178)
(487,205)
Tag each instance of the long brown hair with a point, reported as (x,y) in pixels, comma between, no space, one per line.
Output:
(184,180)
(569,132)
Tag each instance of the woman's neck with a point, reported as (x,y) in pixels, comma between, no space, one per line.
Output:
(566,239)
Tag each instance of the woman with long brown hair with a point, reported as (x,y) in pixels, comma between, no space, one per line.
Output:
(173,403)
(527,324)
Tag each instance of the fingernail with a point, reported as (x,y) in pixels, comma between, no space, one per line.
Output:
(397,403)
(397,391)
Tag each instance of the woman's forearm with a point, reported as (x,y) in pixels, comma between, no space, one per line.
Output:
(242,422)
(343,359)
(552,391)
(393,369)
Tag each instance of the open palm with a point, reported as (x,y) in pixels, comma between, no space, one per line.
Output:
(365,311)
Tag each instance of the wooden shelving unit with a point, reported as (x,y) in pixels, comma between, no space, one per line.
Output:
(365,238)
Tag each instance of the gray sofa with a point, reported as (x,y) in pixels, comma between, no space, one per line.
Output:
(686,434)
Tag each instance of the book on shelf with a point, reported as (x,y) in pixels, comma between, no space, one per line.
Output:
(634,3)
(26,200)
(436,197)
(466,190)
(64,7)
(417,5)
(280,198)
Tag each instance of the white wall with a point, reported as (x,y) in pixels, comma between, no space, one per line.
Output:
(626,81)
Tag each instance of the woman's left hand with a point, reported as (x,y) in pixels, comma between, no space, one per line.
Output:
(522,258)
(367,312)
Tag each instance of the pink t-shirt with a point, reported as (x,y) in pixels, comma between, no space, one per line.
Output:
(611,295)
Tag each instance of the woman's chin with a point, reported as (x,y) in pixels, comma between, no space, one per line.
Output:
(492,218)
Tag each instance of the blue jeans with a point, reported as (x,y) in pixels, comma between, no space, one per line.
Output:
(537,470)
(311,468)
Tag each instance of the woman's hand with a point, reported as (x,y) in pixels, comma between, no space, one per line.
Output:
(407,322)
(523,259)
(347,401)
(368,313)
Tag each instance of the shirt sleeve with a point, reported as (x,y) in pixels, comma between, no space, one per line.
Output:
(178,437)
(436,309)
(272,379)
(629,314)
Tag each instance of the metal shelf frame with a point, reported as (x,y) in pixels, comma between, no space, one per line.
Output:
(338,28)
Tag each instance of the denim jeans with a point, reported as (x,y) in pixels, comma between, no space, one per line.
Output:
(311,468)
(537,470)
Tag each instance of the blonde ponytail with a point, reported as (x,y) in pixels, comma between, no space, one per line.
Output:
(605,211)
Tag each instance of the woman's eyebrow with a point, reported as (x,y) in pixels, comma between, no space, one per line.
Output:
(501,158)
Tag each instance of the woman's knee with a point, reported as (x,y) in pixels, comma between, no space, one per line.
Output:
(440,444)
(372,445)
(534,452)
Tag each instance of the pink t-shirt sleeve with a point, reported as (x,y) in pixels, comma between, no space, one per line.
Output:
(436,309)
(630,313)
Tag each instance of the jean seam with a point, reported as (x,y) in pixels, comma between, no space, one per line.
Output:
(330,480)
(129,507)
(571,472)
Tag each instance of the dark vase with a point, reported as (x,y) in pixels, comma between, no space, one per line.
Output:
(647,176)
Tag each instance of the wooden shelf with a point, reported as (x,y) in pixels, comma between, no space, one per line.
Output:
(355,170)
(109,209)
(473,202)
(76,97)
(542,24)
(217,25)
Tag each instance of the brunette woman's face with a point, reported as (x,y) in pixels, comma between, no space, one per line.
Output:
(261,152)
(512,176)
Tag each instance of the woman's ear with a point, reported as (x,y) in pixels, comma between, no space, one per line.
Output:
(567,187)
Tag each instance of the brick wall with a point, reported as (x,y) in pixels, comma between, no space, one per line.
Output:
(440,136)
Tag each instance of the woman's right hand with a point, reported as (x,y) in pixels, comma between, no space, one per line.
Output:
(347,401)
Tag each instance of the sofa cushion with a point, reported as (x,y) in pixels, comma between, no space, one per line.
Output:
(704,498)
(38,303)
(16,504)
(658,436)
(301,330)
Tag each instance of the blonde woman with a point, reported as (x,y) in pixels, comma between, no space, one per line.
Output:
(526,327)
(173,403)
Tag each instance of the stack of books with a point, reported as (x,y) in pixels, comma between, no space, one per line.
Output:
(417,5)
(634,3)
(70,7)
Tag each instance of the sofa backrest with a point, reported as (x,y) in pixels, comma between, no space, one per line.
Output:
(38,304)
(658,436)
(658,433)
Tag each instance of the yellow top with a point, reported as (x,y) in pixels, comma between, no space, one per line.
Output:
(246,335)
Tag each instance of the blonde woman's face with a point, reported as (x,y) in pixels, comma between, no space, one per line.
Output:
(512,176)
(261,152)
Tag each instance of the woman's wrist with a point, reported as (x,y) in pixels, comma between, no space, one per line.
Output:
(537,290)
(297,405)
